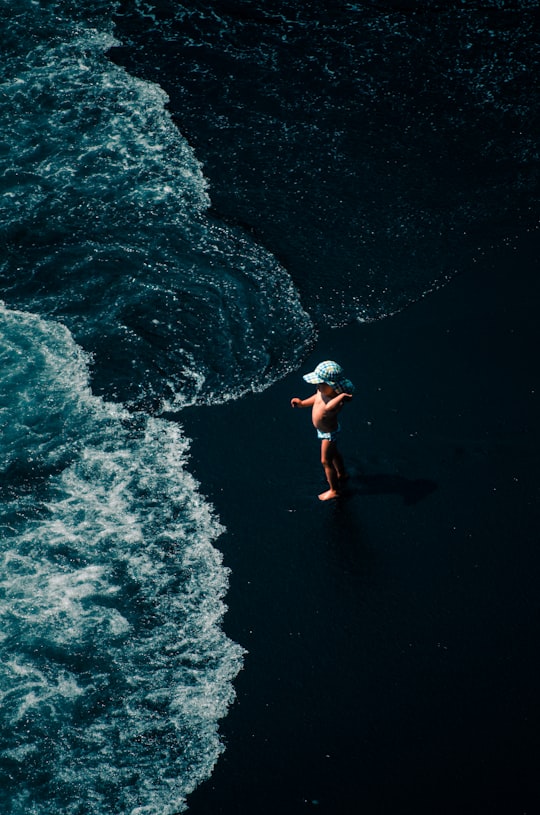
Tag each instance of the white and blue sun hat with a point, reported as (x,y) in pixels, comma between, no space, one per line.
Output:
(332,374)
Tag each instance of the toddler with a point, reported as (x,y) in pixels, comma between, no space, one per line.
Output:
(333,390)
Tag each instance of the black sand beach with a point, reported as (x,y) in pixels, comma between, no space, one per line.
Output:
(188,188)
(392,634)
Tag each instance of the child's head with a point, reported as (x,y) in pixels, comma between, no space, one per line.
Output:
(331,374)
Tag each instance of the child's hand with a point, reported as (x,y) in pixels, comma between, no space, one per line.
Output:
(296,402)
(347,397)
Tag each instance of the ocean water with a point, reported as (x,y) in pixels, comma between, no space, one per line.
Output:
(114,665)
(187,193)
(376,148)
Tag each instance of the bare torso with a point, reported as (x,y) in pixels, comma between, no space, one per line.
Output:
(324,419)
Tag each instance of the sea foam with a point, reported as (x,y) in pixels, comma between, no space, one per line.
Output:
(114,668)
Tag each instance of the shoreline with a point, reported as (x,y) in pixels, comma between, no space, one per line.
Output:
(388,632)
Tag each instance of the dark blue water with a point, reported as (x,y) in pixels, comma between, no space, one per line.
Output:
(375,147)
(187,193)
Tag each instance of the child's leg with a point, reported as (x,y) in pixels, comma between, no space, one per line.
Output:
(328,453)
(339,465)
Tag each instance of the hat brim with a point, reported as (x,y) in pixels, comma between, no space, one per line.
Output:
(313,378)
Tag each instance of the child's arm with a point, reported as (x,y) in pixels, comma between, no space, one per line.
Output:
(337,402)
(301,403)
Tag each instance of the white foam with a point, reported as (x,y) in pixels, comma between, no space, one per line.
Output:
(114,666)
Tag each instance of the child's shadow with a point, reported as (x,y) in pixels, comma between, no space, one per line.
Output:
(412,490)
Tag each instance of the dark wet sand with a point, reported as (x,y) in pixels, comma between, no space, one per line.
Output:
(392,634)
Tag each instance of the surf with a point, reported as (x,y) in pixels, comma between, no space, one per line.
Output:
(114,666)
(108,227)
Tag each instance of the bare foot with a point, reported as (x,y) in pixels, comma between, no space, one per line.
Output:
(328,495)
